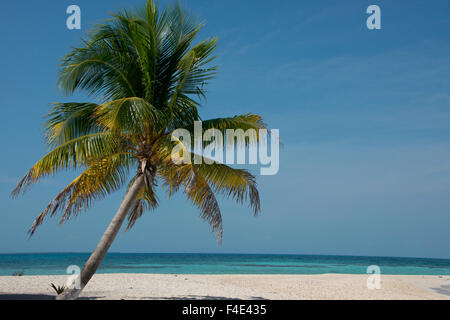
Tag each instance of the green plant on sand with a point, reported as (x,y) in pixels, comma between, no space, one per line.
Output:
(58,289)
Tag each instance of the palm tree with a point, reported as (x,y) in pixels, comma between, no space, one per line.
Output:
(148,77)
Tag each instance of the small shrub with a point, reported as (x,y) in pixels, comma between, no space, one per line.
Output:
(58,289)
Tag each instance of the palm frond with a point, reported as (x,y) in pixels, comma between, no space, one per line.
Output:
(244,122)
(201,180)
(197,190)
(147,200)
(72,154)
(101,178)
(201,195)
(70,120)
(238,184)
(130,115)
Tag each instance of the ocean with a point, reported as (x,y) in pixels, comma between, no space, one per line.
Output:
(57,263)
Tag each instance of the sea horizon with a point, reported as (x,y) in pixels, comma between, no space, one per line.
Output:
(56,263)
(225,253)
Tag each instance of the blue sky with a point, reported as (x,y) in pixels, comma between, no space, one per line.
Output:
(364,116)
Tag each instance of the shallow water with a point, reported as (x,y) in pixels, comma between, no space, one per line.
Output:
(57,263)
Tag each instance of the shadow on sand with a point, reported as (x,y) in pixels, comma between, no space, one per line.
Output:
(445,290)
(197,297)
(25,296)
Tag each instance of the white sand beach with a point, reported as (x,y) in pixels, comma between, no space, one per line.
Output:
(171,286)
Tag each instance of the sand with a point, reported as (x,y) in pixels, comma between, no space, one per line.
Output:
(171,286)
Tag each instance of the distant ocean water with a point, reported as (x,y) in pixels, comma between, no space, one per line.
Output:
(57,263)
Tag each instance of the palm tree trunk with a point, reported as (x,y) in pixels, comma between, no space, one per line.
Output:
(105,242)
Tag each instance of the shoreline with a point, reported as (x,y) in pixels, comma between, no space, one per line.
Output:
(153,286)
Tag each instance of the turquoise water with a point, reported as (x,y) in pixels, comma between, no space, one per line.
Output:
(57,263)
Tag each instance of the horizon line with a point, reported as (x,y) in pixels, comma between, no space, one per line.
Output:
(226,253)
